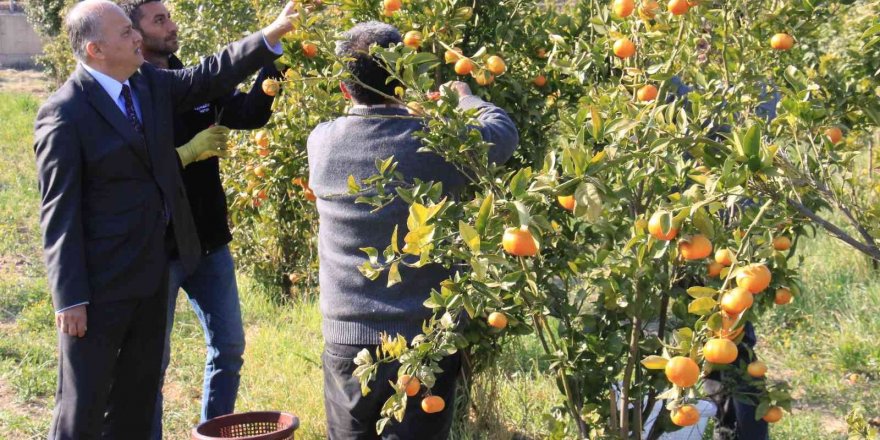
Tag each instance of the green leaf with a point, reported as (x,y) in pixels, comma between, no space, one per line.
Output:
(394,245)
(372,254)
(486,209)
(596,120)
(588,202)
(702,306)
(698,292)
(353,186)
(654,362)
(703,223)
(523,213)
(393,274)
(520,182)
(470,236)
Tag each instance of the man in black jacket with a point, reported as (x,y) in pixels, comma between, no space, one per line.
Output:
(212,288)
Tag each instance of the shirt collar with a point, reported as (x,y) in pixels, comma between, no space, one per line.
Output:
(375,106)
(110,85)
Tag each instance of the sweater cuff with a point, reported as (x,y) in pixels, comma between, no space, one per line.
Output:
(470,101)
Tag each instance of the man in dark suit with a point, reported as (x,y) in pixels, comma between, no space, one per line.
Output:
(212,289)
(114,211)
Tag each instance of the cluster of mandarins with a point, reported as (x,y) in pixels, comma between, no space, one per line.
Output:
(624,48)
(256,174)
(751,280)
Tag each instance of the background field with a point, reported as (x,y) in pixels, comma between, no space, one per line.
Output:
(825,344)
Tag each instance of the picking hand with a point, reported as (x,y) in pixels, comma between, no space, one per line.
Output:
(459,87)
(72,321)
(282,25)
(210,142)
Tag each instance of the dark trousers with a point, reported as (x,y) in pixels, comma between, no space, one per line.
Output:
(736,418)
(108,379)
(351,415)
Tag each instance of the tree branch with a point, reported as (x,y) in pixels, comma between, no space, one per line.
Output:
(868,249)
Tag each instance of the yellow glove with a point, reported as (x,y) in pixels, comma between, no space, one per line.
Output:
(210,142)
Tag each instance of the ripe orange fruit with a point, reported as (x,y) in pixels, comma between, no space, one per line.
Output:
(452,55)
(261,138)
(519,242)
(262,195)
(720,351)
(391,5)
(834,134)
(736,300)
(271,87)
(540,81)
(757,369)
(464,66)
(309,194)
(433,404)
(484,78)
(411,384)
(695,248)
(647,93)
(495,64)
(685,415)
(754,278)
(655,228)
(263,152)
(413,39)
(623,8)
(781,42)
(497,320)
(727,322)
(724,256)
(782,243)
(624,48)
(541,53)
(774,414)
(682,371)
(783,296)
(649,9)
(309,50)
(678,7)
(714,269)
(567,202)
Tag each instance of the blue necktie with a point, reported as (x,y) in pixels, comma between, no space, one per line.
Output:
(129,110)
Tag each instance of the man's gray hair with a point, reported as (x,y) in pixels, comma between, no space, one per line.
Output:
(83,24)
(359,38)
(369,74)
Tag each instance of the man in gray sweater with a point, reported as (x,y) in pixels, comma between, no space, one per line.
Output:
(356,310)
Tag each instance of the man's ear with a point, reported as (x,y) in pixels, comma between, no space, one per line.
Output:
(345,91)
(93,49)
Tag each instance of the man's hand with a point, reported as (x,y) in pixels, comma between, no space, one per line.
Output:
(72,321)
(210,142)
(281,25)
(458,87)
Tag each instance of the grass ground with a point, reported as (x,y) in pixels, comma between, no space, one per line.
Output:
(824,344)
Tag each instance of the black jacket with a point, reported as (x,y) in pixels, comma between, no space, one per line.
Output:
(105,189)
(238,111)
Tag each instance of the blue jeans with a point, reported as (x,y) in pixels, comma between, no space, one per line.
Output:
(213,293)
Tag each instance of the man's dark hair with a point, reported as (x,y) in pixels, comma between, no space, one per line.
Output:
(132,8)
(366,68)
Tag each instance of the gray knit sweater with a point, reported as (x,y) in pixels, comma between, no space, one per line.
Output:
(355,309)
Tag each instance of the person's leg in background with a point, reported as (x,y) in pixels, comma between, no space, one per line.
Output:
(213,293)
(353,416)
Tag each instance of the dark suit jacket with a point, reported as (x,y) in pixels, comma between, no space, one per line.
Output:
(102,185)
